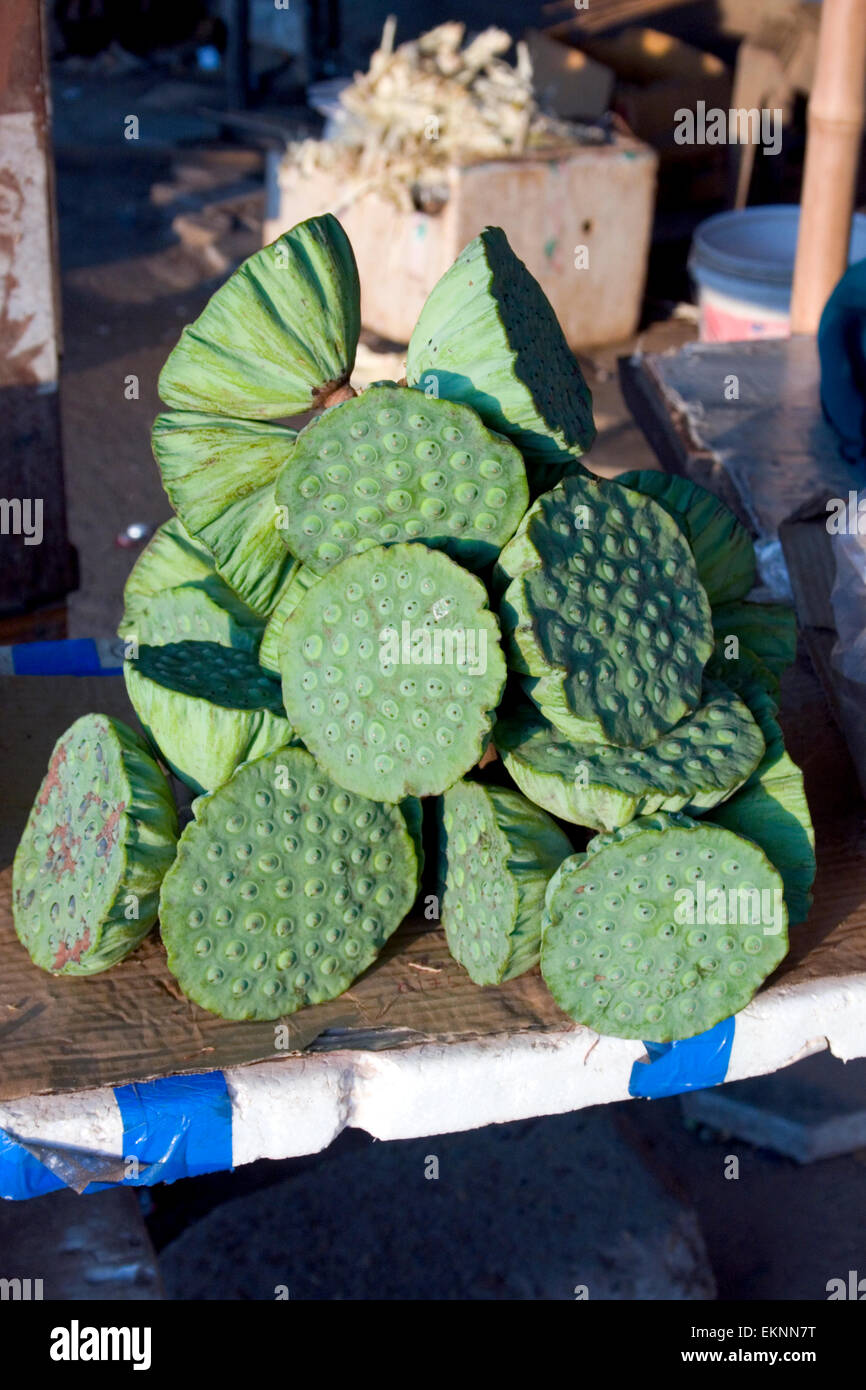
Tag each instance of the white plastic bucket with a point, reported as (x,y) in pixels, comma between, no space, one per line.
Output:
(742,264)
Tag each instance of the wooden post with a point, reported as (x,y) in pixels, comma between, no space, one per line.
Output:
(832,157)
(37,564)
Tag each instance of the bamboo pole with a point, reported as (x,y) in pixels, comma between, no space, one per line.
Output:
(835,119)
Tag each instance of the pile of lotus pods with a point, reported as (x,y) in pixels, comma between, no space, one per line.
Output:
(420,618)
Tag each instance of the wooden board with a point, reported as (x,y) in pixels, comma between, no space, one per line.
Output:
(132,1023)
(768,451)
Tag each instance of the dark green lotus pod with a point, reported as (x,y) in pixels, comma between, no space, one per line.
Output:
(284,890)
(391,671)
(170,560)
(488,336)
(722,547)
(768,630)
(279,337)
(100,837)
(772,810)
(189,614)
(219,475)
(662,931)
(741,670)
(207,708)
(390,466)
(413,813)
(497,854)
(703,760)
(606,613)
(271,647)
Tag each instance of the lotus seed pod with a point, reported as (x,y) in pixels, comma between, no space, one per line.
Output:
(207,708)
(497,853)
(100,837)
(413,814)
(391,466)
(772,809)
(704,759)
(488,336)
(271,647)
(279,337)
(768,630)
(723,549)
(171,560)
(742,671)
(189,614)
(663,931)
(606,614)
(392,670)
(219,475)
(285,889)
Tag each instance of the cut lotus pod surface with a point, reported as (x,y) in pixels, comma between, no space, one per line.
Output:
(392,466)
(488,336)
(271,647)
(392,670)
(702,761)
(768,630)
(663,931)
(207,708)
(100,837)
(722,547)
(189,614)
(772,809)
(605,613)
(279,337)
(497,854)
(219,476)
(173,559)
(284,890)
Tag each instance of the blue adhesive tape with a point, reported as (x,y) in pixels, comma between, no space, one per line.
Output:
(79,656)
(689,1065)
(21,1174)
(176,1127)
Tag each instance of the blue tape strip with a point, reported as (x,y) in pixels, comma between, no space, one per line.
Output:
(176,1127)
(22,1175)
(77,657)
(689,1065)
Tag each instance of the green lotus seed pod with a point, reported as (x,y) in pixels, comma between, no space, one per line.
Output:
(606,614)
(219,475)
(390,466)
(723,549)
(189,614)
(279,337)
(488,336)
(741,670)
(207,708)
(768,630)
(662,931)
(172,560)
(413,814)
(772,809)
(285,889)
(497,853)
(704,759)
(271,647)
(391,671)
(100,837)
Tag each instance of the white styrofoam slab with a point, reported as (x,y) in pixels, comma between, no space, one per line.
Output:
(298,1105)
